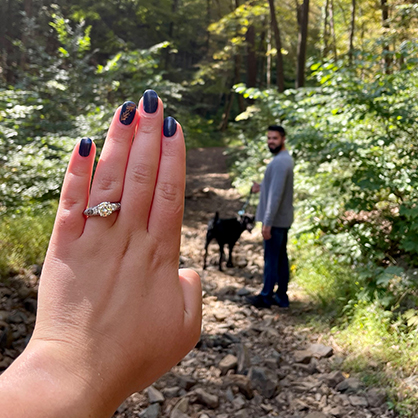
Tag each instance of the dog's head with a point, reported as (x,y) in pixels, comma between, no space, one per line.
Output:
(247,221)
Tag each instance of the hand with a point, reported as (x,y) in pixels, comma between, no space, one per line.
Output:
(255,188)
(114,312)
(266,232)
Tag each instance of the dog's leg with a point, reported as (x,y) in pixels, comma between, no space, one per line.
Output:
(208,240)
(221,257)
(229,263)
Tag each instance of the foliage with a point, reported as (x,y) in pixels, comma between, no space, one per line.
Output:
(24,237)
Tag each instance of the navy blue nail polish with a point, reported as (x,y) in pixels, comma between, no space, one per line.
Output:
(170,126)
(85,147)
(127,113)
(150,101)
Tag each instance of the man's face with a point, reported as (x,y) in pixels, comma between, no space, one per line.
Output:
(275,141)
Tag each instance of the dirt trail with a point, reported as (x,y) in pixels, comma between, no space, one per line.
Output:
(248,363)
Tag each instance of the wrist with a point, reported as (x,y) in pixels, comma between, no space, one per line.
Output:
(42,373)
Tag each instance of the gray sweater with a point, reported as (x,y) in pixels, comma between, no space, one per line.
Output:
(276,194)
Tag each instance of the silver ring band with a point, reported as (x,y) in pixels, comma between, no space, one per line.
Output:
(102,209)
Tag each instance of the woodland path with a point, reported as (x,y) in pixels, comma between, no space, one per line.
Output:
(249,363)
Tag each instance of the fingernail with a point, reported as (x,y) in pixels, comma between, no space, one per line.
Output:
(127,113)
(150,101)
(170,126)
(85,147)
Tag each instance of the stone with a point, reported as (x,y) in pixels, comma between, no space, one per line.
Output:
(241,262)
(238,402)
(320,350)
(243,413)
(316,415)
(263,380)
(376,397)
(186,382)
(229,362)
(153,411)
(358,400)
(333,379)
(243,357)
(182,405)
(154,395)
(175,413)
(243,384)
(171,392)
(302,356)
(205,398)
(350,385)
(243,292)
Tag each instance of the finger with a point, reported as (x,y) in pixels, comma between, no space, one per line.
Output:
(167,207)
(192,292)
(109,176)
(70,220)
(141,172)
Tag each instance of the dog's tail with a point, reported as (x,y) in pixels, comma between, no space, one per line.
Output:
(215,219)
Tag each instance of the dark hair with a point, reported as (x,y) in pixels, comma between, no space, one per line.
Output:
(277,128)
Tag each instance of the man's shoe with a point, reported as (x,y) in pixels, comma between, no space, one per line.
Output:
(259,302)
(281,303)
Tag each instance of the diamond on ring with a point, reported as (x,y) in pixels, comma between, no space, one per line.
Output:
(102,209)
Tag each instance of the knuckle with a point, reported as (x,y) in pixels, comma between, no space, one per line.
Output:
(142,173)
(169,192)
(107,182)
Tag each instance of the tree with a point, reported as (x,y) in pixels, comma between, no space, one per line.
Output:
(352,29)
(303,36)
(278,41)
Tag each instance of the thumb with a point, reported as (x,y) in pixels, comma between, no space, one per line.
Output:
(192,293)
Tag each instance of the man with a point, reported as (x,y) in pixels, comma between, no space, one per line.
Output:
(275,211)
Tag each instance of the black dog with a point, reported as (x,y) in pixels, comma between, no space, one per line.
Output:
(226,231)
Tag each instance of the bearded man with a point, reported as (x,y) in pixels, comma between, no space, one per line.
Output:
(275,211)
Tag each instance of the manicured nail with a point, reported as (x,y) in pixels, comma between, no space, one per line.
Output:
(85,147)
(150,101)
(127,113)
(170,126)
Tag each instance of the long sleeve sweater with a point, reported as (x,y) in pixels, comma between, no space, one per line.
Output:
(276,194)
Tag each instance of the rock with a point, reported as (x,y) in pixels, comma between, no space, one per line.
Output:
(243,384)
(175,413)
(171,392)
(205,398)
(376,397)
(358,400)
(333,379)
(243,291)
(243,413)
(238,402)
(320,350)
(17,317)
(264,380)
(5,363)
(244,361)
(302,356)
(151,412)
(241,262)
(229,362)
(182,405)
(154,395)
(220,316)
(316,415)
(350,385)
(186,382)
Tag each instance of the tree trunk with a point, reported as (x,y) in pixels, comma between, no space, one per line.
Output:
(268,63)
(251,58)
(174,7)
(26,34)
(303,36)
(352,29)
(385,24)
(279,56)
(332,26)
(325,34)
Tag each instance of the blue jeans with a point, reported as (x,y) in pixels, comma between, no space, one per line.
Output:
(276,265)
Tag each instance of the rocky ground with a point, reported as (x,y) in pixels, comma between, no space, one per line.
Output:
(249,363)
